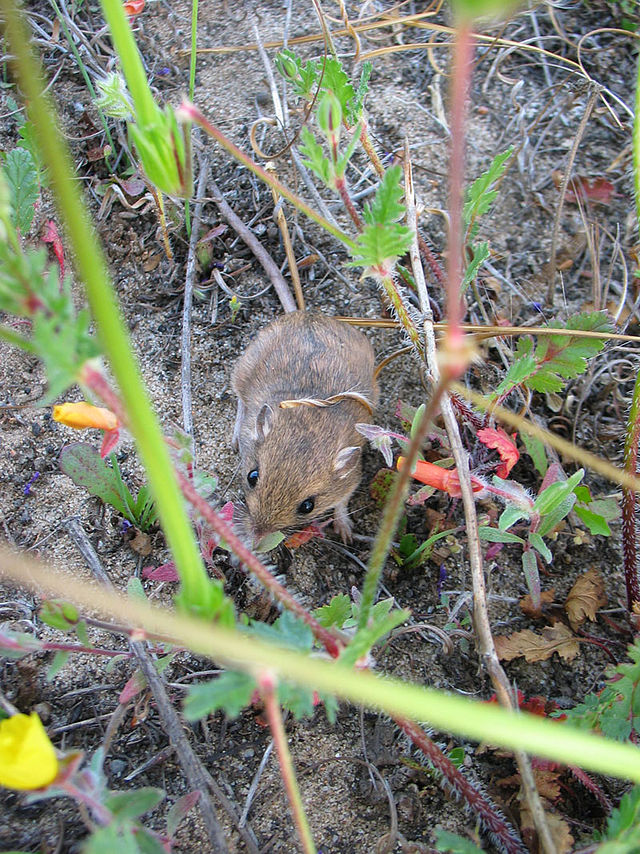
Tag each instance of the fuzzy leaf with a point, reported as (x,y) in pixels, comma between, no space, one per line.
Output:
(494,535)
(451,842)
(287,631)
(378,245)
(480,255)
(336,80)
(532,577)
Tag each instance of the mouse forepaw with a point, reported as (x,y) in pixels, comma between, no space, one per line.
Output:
(342,523)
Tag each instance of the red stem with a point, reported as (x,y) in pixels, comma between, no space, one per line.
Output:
(498,828)
(255,566)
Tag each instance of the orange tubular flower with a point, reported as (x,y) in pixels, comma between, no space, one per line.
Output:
(81,415)
(27,757)
(445,479)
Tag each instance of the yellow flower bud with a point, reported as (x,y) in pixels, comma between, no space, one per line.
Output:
(27,757)
(80,415)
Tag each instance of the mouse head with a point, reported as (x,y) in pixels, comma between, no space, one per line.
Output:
(301,463)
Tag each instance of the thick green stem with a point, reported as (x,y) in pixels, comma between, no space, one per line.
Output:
(145,107)
(92,270)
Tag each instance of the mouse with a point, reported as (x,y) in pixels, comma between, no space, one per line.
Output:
(302,385)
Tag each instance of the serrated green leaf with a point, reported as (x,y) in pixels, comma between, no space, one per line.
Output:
(380,245)
(230,692)
(354,107)
(134,802)
(335,80)
(296,698)
(480,255)
(381,623)
(21,174)
(287,631)
(386,207)
(480,196)
(493,535)
(335,613)
(315,157)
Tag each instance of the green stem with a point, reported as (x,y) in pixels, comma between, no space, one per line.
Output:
(193,114)
(274,716)
(92,270)
(129,56)
(393,511)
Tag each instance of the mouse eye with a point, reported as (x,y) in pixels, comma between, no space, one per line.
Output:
(307,506)
(252,478)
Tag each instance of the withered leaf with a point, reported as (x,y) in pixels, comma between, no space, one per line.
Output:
(558,827)
(538,647)
(585,598)
(546,598)
(141,543)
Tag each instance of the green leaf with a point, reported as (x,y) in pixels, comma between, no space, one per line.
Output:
(454,844)
(59,661)
(493,535)
(510,515)
(535,449)
(287,631)
(480,196)
(354,107)
(596,524)
(21,175)
(106,840)
(134,802)
(380,245)
(480,255)
(84,465)
(382,621)
(315,157)
(539,545)
(135,590)
(59,614)
(622,835)
(296,698)
(335,613)
(230,692)
(550,520)
(553,496)
(531,575)
(335,80)
(386,207)
(147,843)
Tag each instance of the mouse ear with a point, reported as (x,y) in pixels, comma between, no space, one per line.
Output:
(346,461)
(264,423)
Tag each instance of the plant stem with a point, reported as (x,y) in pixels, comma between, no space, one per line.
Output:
(501,832)
(255,566)
(92,270)
(266,684)
(629,521)
(234,649)
(392,511)
(194,114)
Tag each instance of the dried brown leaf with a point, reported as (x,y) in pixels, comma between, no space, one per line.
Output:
(585,598)
(538,647)
(546,598)
(558,827)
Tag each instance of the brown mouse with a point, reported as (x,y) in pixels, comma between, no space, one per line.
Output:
(300,460)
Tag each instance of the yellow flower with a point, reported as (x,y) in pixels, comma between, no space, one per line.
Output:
(80,415)
(27,757)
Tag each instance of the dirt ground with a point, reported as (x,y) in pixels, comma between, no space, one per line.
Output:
(521,98)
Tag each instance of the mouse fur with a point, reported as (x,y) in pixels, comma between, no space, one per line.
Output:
(306,456)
